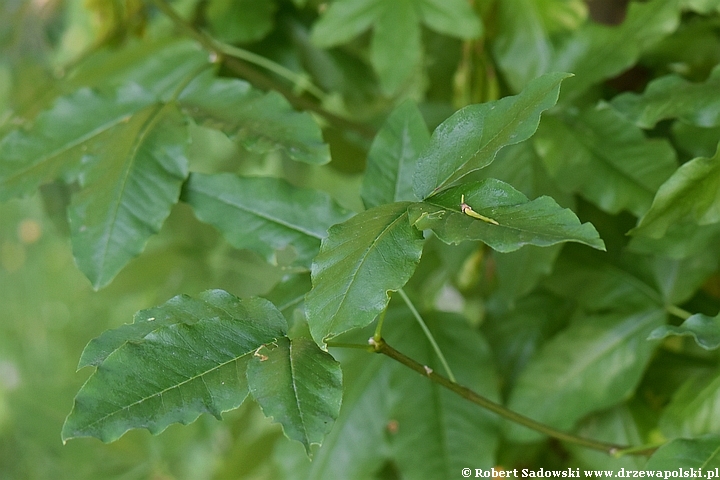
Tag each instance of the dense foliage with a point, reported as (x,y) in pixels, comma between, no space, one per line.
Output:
(517,199)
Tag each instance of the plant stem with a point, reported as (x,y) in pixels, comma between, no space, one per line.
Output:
(233,59)
(357,346)
(678,312)
(428,334)
(609,448)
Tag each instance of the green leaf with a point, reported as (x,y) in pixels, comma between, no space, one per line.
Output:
(673,97)
(436,432)
(594,364)
(694,409)
(241,21)
(360,261)
(704,329)
(393,157)
(396,49)
(691,193)
(128,191)
(597,52)
(470,139)
(450,17)
(520,221)
(702,452)
(520,271)
(604,158)
(260,122)
(193,362)
(264,214)
(299,385)
(76,125)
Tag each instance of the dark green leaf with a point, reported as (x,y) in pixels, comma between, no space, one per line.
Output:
(674,97)
(520,221)
(594,364)
(360,261)
(702,452)
(470,139)
(76,125)
(597,52)
(704,329)
(299,385)
(193,362)
(520,271)
(259,121)
(128,191)
(682,239)
(604,158)
(691,193)
(264,214)
(393,157)
(241,21)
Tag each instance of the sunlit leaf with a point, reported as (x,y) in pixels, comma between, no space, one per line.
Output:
(192,363)
(673,97)
(704,329)
(518,221)
(360,262)
(128,191)
(691,193)
(702,452)
(259,121)
(470,139)
(299,385)
(264,214)
(594,364)
(393,157)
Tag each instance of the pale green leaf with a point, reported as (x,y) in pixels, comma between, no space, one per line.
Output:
(702,6)
(62,135)
(674,97)
(595,363)
(470,139)
(450,17)
(193,362)
(604,158)
(128,191)
(691,193)
(344,20)
(260,122)
(694,409)
(704,329)
(393,157)
(702,452)
(241,21)
(264,214)
(519,221)
(299,385)
(396,48)
(359,263)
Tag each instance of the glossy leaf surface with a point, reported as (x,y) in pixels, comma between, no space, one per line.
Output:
(192,363)
(691,193)
(705,330)
(264,214)
(470,138)
(520,221)
(360,262)
(299,385)
(393,156)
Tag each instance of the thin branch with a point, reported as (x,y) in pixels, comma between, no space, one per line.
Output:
(428,334)
(678,312)
(229,55)
(609,448)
